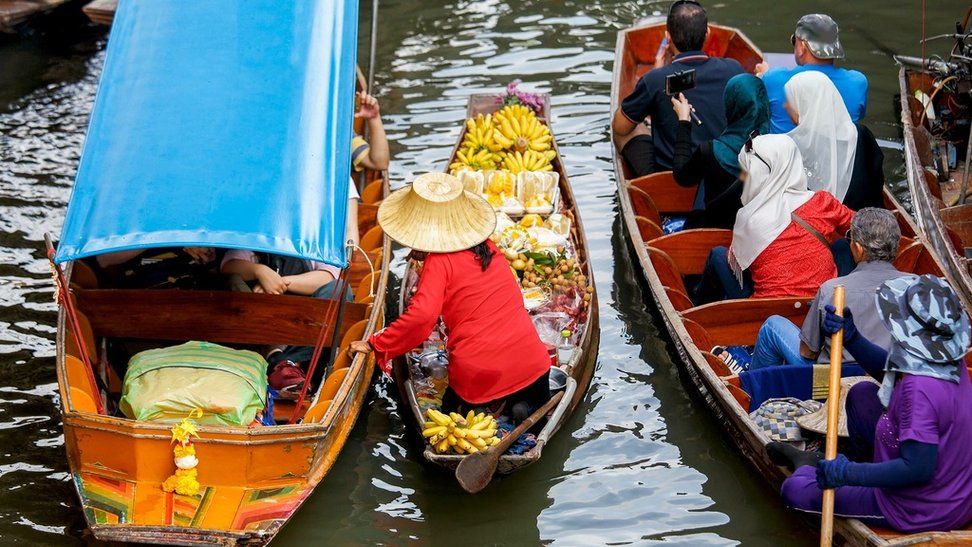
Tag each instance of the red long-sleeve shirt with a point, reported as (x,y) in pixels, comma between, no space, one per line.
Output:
(493,346)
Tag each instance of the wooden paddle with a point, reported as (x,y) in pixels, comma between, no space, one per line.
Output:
(833,413)
(476,470)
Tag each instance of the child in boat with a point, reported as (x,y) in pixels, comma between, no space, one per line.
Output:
(494,350)
(910,438)
(714,164)
(782,235)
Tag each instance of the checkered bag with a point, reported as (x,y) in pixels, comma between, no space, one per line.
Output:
(777,417)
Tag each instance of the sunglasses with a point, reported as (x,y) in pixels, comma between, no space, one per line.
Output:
(682,2)
(749,148)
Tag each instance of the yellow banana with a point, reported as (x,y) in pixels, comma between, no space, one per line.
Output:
(452,440)
(442,446)
(479,443)
(466,445)
(437,417)
(480,433)
(436,430)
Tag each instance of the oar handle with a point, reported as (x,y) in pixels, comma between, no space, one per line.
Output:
(833,414)
(512,436)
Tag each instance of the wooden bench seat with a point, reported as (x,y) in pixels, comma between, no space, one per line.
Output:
(736,322)
(667,195)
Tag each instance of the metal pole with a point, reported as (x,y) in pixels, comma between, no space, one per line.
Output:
(374,43)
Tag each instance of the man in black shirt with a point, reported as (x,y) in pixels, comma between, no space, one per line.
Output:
(687,28)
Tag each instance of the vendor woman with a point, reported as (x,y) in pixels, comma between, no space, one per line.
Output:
(494,351)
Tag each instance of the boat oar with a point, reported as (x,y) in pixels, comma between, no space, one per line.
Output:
(476,470)
(833,412)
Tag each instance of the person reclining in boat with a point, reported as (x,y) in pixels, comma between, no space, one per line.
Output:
(371,154)
(781,239)
(160,268)
(687,29)
(495,353)
(906,465)
(714,164)
(840,156)
(277,274)
(815,46)
(874,237)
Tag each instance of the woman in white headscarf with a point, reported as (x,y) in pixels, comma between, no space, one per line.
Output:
(781,239)
(840,156)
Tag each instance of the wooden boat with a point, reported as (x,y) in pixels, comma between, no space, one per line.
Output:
(101,12)
(16,12)
(581,366)
(253,479)
(666,259)
(944,218)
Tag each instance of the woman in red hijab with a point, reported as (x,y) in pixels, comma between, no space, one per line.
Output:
(494,350)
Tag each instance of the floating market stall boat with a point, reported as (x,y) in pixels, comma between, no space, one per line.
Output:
(936,111)
(540,205)
(215,145)
(101,12)
(665,260)
(16,12)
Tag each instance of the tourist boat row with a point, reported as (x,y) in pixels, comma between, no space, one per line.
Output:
(666,259)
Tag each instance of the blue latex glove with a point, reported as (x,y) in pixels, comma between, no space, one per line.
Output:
(832,473)
(833,323)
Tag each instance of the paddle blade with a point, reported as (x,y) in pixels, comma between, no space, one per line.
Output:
(475,471)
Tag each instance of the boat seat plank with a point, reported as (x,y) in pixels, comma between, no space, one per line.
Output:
(215,316)
(717,365)
(373,192)
(689,249)
(648,229)
(372,239)
(698,334)
(667,195)
(644,205)
(737,322)
(367,218)
(908,256)
(679,300)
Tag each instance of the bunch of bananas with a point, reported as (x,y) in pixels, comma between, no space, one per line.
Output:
(478,151)
(516,162)
(518,129)
(462,435)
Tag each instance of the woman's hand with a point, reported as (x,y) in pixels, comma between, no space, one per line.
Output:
(269,281)
(359,346)
(683,109)
(369,107)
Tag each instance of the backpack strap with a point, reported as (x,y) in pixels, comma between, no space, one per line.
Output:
(813,231)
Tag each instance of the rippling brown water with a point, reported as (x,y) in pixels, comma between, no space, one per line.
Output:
(642,460)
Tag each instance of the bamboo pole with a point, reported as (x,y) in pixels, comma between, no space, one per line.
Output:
(833,413)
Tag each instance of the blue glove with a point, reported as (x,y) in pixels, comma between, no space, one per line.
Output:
(833,323)
(832,473)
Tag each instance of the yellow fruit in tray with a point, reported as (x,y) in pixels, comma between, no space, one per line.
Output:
(501,182)
(531,220)
(495,200)
(539,200)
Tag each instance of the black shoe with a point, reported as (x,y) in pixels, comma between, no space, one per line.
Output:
(787,455)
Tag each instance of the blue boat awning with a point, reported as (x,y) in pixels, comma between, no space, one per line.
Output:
(220,123)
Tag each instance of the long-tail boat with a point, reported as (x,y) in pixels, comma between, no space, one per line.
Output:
(935,115)
(581,364)
(665,260)
(229,144)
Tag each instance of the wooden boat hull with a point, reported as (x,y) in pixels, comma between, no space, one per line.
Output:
(945,228)
(101,12)
(695,329)
(584,361)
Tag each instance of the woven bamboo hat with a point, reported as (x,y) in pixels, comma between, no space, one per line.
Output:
(436,215)
(817,421)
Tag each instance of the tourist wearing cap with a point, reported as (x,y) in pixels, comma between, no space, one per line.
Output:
(687,28)
(494,350)
(911,436)
(815,46)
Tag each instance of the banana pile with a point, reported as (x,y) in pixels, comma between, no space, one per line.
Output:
(462,435)
(513,139)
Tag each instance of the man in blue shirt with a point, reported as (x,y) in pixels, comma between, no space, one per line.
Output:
(687,28)
(815,46)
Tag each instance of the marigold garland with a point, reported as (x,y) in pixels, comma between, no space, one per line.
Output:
(184,481)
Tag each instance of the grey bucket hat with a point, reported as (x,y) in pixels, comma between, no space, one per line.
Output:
(819,31)
(926,320)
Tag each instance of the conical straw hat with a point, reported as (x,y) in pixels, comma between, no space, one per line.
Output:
(436,215)
(817,421)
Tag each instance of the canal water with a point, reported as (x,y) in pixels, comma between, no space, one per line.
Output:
(642,461)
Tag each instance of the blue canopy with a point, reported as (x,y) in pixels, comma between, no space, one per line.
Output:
(220,123)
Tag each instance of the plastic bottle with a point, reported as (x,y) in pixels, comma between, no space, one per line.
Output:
(565,350)
(436,365)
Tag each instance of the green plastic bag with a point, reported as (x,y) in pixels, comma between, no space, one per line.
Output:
(164,385)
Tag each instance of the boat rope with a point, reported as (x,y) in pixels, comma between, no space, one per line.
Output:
(63,298)
(330,313)
(371,267)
